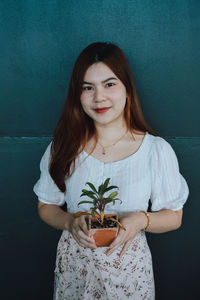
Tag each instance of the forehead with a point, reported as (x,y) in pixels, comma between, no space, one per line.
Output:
(98,71)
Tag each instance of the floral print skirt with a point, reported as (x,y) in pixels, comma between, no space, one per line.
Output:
(88,274)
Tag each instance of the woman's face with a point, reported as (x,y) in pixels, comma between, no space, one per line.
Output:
(103,96)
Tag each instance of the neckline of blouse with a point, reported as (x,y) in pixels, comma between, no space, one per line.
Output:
(131,156)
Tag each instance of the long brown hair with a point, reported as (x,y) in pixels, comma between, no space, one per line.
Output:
(75,128)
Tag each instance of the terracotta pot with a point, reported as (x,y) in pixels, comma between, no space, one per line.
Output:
(103,236)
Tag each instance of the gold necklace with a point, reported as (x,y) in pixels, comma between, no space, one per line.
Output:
(104,147)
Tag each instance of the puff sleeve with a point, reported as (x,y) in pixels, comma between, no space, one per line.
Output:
(45,188)
(169,189)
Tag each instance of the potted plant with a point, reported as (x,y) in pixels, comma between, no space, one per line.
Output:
(102,227)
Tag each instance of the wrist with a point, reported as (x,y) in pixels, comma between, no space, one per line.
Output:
(140,220)
(145,220)
(68,222)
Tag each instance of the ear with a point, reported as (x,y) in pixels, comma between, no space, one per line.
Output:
(127,96)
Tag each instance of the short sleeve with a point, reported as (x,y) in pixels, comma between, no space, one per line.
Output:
(45,188)
(169,189)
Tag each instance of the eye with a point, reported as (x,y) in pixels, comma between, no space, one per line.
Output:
(109,84)
(87,88)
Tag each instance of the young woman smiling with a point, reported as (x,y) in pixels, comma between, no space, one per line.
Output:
(101,134)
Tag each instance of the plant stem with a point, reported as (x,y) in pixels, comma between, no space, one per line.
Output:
(118,223)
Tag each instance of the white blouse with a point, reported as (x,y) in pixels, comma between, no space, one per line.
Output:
(152,173)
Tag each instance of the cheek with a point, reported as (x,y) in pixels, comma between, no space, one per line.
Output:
(122,100)
(85,105)
(85,100)
(121,94)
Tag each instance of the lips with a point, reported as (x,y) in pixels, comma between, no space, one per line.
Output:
(102,110)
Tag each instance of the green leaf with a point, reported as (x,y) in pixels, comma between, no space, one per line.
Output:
(104,186)
(88,192)
(100,188)
(108,200)
(81,202)
(111,187)
(91,186)
(95,202)
(118,199)
(93,211)
(106,182)
(113,194)
(99,201)
(90,195)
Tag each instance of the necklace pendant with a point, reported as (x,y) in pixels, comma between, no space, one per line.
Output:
(104,147)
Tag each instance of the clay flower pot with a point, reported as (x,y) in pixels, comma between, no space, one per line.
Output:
(103,228)
(103,234)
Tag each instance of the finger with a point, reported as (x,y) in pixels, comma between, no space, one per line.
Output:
(80,222)
(83,242)
(118,240)
(81,232)
(84,239)
(78,242)
(114,247)
(126,246)
(82,235)
(83,225)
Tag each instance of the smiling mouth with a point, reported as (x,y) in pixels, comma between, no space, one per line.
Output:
(102,110)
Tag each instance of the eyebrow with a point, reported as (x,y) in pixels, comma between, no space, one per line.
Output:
(104,81)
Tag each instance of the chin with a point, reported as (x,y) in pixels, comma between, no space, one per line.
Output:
(105,122)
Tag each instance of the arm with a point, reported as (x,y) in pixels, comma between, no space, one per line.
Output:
(163,220)
(160,222)
(168,189)
(54,216)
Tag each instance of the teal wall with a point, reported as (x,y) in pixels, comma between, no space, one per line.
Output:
(39,41)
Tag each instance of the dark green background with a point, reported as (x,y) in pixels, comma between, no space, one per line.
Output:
(39,41)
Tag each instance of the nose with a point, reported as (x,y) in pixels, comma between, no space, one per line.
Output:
(99,95)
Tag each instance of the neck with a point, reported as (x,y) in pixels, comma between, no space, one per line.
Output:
(109,133)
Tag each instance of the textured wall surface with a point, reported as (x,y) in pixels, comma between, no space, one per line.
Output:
(39,43)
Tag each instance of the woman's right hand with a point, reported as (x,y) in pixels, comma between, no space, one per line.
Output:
(78,229)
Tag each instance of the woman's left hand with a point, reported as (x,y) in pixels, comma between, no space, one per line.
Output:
(133,222)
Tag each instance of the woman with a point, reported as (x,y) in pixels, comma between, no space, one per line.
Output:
(101,134)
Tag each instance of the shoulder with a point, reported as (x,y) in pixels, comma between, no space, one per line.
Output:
(46,157)
(162,151)
(158,143)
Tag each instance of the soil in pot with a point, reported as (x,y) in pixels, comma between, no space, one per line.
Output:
(104,233)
